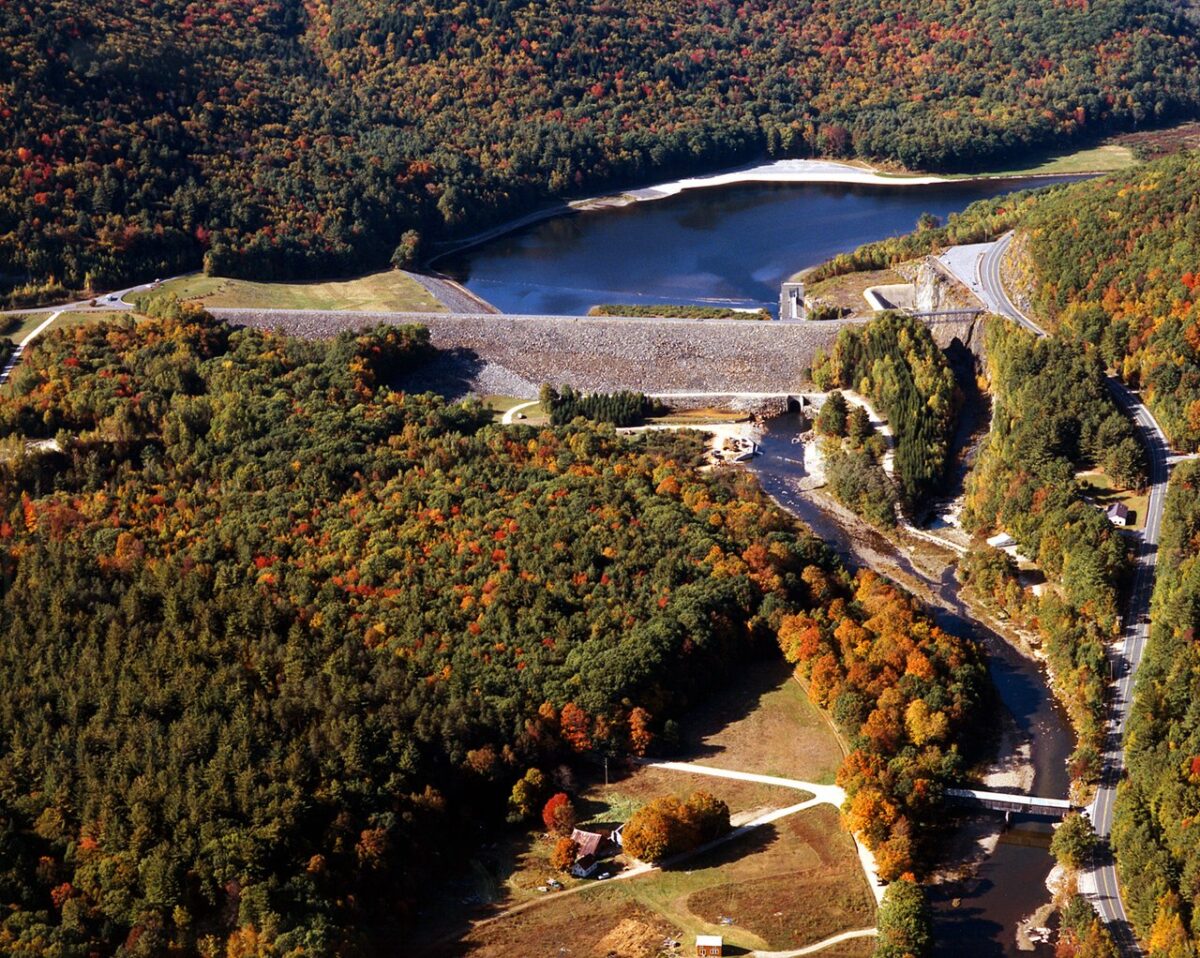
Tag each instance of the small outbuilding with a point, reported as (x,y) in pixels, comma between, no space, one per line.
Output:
(709,946)
(1118,514)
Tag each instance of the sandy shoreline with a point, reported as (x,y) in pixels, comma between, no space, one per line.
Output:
(775,171)
(787,171)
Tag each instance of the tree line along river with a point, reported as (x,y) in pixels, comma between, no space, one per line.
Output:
(734,245)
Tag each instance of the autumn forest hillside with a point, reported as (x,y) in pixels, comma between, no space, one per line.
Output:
(276,138)
(274,630)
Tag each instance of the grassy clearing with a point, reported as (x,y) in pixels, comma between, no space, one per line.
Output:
(530,416)
(676,311)
(502,404)
(846,292)
(1097,159)
(1100,488)
(763,723)
(700,417)
(386,291)
(785,886)
(17,326)
(80,317)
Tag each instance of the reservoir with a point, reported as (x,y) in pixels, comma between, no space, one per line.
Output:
(731,245)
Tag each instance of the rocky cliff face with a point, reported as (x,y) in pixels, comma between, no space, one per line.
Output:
(934,291)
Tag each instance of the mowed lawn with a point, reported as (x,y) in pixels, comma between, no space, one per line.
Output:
(1101,489)
(1097,159)
(389,291)
(785,885)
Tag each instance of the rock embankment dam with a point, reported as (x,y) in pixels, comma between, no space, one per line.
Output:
(603,353)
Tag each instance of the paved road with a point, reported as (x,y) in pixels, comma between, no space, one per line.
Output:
(1100,882)
(20,350)
(113,300)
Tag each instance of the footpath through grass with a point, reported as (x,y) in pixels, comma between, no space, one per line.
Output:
(787,884)
(389,291)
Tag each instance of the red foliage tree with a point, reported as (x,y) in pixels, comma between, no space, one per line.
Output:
(558,814)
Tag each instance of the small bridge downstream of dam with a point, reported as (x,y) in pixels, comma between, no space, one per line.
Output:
(1009,803)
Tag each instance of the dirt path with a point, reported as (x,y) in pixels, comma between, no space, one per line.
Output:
(823,795)
(820,945)
(645,868)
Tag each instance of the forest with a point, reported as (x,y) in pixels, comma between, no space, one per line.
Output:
(1157,848)
(895,363)
(277,138)
(1053,416)
(1115,263)
(273,630)
(622,408)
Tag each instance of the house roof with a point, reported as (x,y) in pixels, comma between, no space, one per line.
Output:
(710,940)
(588,842)
(1118,509)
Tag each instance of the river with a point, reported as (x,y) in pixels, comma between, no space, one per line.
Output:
(734,245)
(977,916)
(723,246)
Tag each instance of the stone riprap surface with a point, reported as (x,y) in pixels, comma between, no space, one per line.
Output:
(601,353)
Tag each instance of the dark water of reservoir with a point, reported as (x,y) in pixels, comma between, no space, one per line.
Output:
(734,246)
(726,246)
(977,917)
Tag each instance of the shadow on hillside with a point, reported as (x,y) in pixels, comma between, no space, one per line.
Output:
(725,706)
(452,373)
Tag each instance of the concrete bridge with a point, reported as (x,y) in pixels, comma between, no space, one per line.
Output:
(1010,803)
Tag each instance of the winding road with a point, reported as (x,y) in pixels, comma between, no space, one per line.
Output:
(1100,883)
(17,353)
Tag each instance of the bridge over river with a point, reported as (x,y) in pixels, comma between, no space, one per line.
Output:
(1010,803)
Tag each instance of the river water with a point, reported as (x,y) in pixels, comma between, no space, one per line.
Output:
(978,916)
(734,245)
(725,246)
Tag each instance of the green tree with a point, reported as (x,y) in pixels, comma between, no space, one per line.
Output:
(527,793)
(831,420)
(408,251)
(858,425)
(1073,841)
(905,923)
